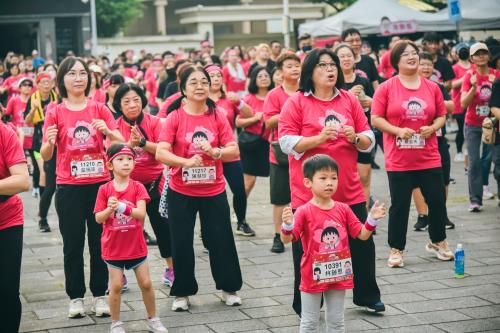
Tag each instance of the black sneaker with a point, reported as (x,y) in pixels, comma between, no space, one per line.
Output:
(448,224)
(376,307)
(278,246)
(43,225)
(244,229)
(375,166)
(149,240)
(422,223)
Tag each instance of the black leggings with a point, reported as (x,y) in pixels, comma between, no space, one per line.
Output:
(50,187)
(11,251)
(160,227)
(217,237)
(459,139)
(75,209)
(233,172)
(401,185)
(36,170)
(366,291)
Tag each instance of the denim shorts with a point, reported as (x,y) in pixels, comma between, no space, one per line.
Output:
(128,264)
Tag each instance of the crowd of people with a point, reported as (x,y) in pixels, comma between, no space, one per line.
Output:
(161,135)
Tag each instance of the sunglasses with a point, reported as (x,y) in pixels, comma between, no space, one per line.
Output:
(26,85)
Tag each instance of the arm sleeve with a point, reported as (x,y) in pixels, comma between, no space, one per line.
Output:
(49,121)
(169,128)
(107,116)
(101,201)
(379,104)
(13,153)
(271,107)
(142,193)
(466,83)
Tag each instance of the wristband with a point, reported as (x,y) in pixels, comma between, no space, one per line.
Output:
(121,207)
(219,155)
(241,105)
(286,229)
(128,211)
(371,223)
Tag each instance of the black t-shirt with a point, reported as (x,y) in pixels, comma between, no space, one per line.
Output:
(162,87)
(270,66)
(366,68)
(362,81)
(171,89)
(446,97)
(495,95)
(38,130)
(442,70)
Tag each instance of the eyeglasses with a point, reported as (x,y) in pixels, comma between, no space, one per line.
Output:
(409,54)
(327,65)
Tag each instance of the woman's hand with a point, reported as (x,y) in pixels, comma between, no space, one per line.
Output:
(194,161)
(426,131)
(349,133)
(366,102)
(100,125)
(51,134)
(357,89)
(135,138)
(328,133)
(378,210)
(207,148)
(287,216)
(405,133)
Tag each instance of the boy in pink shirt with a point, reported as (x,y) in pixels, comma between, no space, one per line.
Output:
(324,226)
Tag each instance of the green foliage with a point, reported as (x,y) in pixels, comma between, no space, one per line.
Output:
(113,15)
(337,4)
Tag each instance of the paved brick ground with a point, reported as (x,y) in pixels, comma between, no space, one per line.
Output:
(422,297)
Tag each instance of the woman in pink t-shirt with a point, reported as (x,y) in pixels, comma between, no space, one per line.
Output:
(234,75)
(255,154)
(77,127)
(409,109)
(324,119)
(232,106)
(141,132)
(476,94)
(15,109)
(14,179)
(196,138)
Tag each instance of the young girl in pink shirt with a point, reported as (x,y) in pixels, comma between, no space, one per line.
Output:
(324,226)
(121,207)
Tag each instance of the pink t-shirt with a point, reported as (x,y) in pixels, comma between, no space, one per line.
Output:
(307,116)
(163,111)
(80,148)
(257,105)
(272,106)
(229,109)
(233,84)
(16,107)
(412,108)
(122,237)
(324,233)
(147,169)
(12,85)
(99,96)
(385,66)
(478,109)
(11,153)
(152,88)
(183,131)
(456,92)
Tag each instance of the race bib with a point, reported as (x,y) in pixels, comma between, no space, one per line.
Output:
(205,174)
(332,267)
(28,131)
(415,142)
(482,110)
(87,165)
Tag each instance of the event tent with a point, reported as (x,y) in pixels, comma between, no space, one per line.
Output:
(365,15)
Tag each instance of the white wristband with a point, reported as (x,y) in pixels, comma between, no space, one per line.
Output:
(371,221)
(121,207)
(287,227)
(241,105)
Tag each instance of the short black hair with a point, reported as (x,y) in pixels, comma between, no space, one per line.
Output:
(432,37)
(125,88)
(350,31)
(252,85)
(329,230)
(284,57)
(312,59)
(115,148)
(64,67)
(317,269)
(425,56)
(316,163)
(274,41)
(116,79)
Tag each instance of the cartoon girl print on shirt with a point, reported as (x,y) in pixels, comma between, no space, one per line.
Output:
(330,236)
(415,108)
(485,91)
(334,119)
(122,220)
(198,136)
(82,135)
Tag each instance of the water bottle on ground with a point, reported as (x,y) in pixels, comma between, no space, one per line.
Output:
(459,262)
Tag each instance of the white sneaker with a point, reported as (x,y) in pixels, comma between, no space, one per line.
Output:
(154,325)
(180,304)
(231,299)
(100,306)
(487,195)
(459,157)
(117,327)
(76,308)
(234,219)
(395,258)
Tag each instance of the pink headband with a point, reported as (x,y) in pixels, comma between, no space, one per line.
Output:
(213,68)
(124,151)
(42,76)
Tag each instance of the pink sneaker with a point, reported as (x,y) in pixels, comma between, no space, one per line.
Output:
(168,277)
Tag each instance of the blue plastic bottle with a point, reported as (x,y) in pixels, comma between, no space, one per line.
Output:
(459,262)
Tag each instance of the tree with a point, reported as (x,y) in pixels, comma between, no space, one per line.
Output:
(337,4)
(114,15)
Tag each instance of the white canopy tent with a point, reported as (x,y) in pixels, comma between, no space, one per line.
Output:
(365,15)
